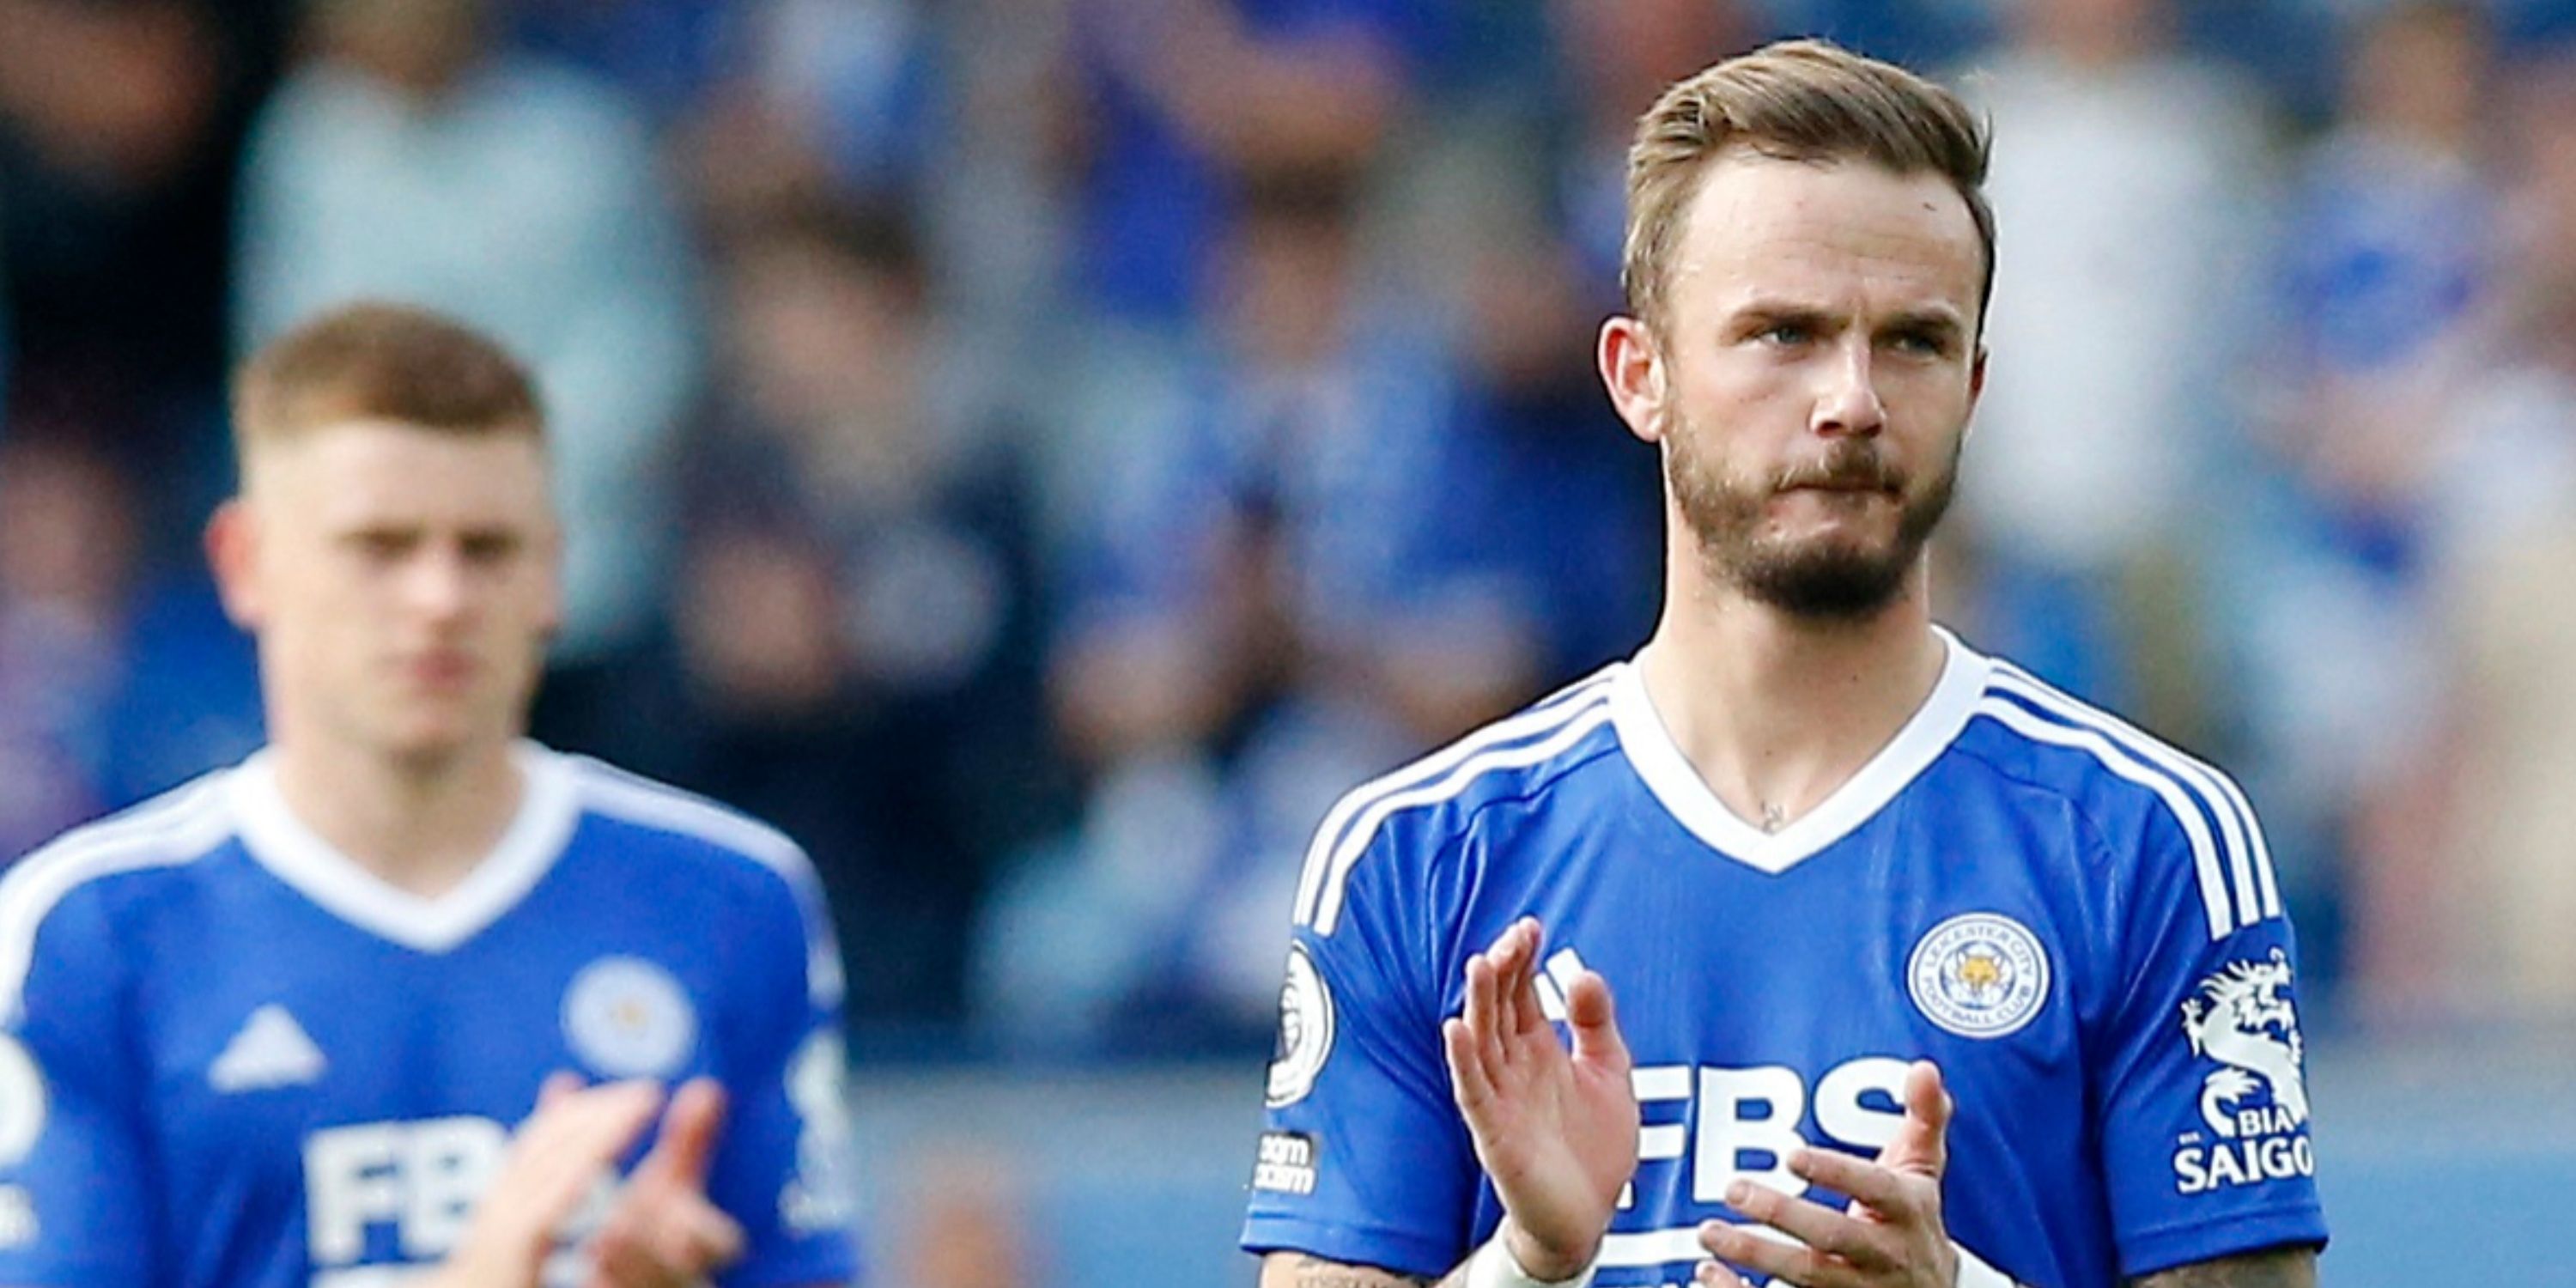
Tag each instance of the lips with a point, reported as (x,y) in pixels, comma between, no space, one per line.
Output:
(445,669)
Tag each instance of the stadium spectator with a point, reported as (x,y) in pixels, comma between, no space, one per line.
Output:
(267,1030)
(1301,577)
(1186,96)
(67,548)
(859,607)
(120,133)
(414,158)
(2388,275)
(2470,891)
(1616,58)
(2129,226)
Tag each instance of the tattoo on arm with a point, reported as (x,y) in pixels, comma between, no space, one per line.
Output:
(2270,1268)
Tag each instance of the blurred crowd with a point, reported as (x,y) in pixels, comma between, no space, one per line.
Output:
(1040,452)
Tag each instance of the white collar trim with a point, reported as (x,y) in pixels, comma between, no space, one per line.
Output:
(527,850)
(1684,795)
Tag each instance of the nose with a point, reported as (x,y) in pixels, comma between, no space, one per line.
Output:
(438,585)
(1847,397)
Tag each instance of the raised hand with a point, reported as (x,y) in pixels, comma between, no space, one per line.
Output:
(555,1160)
(1555,1129)
(1890,1237)
(663,1233)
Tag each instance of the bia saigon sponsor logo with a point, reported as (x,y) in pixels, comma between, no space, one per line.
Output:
(2256,1102)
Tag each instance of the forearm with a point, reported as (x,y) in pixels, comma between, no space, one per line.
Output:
(1297,1270)
(2270,1268)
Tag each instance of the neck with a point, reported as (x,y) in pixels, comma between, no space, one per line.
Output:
(1776,711)
(419,825)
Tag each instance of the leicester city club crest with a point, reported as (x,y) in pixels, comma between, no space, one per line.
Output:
(1979,975)
(628,1018)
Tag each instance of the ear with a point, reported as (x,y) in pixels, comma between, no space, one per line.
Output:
(550,560)
(1633,370)
(1976,388)
(232,550)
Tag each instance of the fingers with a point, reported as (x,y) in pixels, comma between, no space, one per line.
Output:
(559,1154)
(1928,1108)
(1921,1145)
(678,1244)
(1483,1012)
(586,1130)
(1863,1243)
(1894,1195)
(687,1144)
(1595,1024)
(1507,986)
(708,1240)
(1714,1274)
(558,1085)
(662,1236)
(1784,1262)
(1469,1080)
(1516,947)
(1500,1006)
(1520,979)
(663,1231)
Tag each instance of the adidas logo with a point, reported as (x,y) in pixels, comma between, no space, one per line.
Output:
(271,1050)
(1555,981)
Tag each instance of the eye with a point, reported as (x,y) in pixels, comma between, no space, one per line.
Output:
(378,545)
(1924,344)
(490,547)
(1787,334)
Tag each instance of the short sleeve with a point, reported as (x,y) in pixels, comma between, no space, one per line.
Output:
(2205,1122)
(76,1195)
(783,1170)
(1363,1158)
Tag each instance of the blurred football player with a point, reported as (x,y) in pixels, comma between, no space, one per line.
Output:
(275,1027)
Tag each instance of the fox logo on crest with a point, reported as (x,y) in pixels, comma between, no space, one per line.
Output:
(2234,1021)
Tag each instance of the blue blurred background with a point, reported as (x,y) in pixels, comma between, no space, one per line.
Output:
(1040,451)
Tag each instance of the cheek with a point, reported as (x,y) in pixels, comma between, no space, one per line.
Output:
(1735,377)
(533,604)
(1935,396)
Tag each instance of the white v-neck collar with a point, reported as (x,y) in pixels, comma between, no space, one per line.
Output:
(1669,775)
(527,850)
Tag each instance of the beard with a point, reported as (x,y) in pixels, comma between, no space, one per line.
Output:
(1830,578)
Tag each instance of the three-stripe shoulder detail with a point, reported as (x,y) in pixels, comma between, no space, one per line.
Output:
(177,828)
(633,798)
(1533,737)
(2232,863)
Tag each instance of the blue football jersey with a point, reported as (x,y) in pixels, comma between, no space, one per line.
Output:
(233,1058)
(2078,923)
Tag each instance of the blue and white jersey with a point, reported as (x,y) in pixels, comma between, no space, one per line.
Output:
(233,1058)
(2079,924)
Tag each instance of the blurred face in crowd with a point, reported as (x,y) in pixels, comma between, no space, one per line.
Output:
(2090,30)
(2422,71)
(418,46)
(66,529)
(1628,51)
(820,337)
(1811,385)
(402,582)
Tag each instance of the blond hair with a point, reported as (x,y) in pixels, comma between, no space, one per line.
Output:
(1798,100)
(381,361)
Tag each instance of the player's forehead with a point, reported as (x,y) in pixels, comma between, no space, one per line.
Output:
(379,472)
(1836,236)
